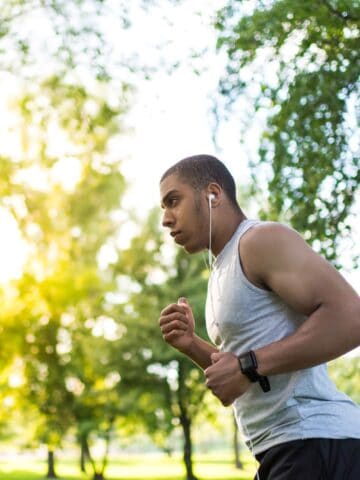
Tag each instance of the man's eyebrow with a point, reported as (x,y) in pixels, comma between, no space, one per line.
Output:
(166,197)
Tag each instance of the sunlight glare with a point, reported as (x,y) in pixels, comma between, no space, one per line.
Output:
(67,171)
(12,248)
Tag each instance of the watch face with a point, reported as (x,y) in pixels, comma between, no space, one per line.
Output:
(248,366)
(246,363)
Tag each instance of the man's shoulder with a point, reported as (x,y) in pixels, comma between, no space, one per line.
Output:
(270,247)
(268,234)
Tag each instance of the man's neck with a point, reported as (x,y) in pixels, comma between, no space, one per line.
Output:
(225,229)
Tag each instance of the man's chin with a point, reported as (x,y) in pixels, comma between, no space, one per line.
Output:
(193,248)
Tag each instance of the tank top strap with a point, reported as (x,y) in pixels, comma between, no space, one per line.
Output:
(245,226)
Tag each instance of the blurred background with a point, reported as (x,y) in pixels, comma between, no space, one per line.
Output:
(98,98)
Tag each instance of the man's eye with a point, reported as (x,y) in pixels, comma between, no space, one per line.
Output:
(172,201)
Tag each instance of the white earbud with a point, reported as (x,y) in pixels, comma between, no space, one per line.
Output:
(211,197)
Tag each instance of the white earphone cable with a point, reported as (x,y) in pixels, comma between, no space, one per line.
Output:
(210,233)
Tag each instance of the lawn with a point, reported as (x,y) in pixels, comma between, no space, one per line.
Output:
(136,468)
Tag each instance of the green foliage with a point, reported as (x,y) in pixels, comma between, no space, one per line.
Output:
(169,388)
(62,187)
(73,38)
(345,372)
(86,362)
(300,63)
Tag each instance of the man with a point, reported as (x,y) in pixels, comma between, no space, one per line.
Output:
(276,311)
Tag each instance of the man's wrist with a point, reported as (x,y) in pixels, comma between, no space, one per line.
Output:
(199,351)
(188,347)
(248,366)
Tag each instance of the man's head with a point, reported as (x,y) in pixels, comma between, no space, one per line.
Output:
(189,190)
(200,170)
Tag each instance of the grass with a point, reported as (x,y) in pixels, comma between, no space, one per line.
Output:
(206,467)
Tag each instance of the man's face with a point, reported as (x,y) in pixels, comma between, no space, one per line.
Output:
(185,213)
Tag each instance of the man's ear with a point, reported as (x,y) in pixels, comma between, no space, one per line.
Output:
(213,193)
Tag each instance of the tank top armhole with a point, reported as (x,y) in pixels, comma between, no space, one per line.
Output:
(248,283)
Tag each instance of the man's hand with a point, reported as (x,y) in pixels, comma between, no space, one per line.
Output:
(224,378)
(177,325)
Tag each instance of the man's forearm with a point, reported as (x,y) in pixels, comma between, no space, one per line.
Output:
(200,352)
(325,335)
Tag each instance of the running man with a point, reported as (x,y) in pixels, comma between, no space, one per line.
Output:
(276,312)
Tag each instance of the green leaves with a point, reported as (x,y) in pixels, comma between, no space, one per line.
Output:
(304,63)
(346,374)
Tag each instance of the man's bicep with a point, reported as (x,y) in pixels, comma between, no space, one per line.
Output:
(300,282)
(301,277)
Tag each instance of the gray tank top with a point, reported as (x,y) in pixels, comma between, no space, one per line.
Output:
(242,317)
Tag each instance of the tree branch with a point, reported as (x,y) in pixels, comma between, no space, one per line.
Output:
(343,15)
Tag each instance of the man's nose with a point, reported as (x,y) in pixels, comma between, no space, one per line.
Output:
(167,219)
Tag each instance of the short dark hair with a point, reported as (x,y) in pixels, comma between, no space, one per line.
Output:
(200,170)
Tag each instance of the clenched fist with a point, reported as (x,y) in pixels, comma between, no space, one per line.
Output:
(177,325)
(224,378)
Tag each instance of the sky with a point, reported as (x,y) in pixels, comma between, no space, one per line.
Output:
(171,117)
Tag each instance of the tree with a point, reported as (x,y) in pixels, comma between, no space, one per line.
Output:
(309,89)
(99,402)
(62,183)
(66,218)
(170,388)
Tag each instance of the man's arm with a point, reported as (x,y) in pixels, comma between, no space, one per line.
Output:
(200,352)
(277,258)
(280,259)
(177,325)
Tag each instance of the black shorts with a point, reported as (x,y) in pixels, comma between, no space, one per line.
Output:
(311,459)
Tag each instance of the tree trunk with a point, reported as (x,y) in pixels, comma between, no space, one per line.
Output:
(238,463)
(98,476)
(51,465)
(185,422)
(86,456)
(107,450)
(186,426)
(84,453)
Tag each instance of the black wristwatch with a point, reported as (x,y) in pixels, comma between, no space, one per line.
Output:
(248,365)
